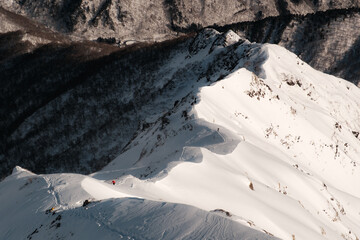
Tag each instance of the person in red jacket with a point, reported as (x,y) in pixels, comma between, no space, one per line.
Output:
(113,182)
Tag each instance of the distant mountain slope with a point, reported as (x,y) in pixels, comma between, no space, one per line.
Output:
(151,20)
(324,34)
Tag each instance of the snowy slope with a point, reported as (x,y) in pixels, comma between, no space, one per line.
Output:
(109,215)
(284,129)
(268,143)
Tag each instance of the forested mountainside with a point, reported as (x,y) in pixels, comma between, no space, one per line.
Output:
(73,107)
(324,34)
(156,19)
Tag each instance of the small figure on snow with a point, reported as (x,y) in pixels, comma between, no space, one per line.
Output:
(113,182)
(51,210)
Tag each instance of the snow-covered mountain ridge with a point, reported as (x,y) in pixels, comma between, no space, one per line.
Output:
(261,139)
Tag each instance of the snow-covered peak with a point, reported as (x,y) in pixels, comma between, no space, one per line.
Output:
(255,136)
(275,143)
(19,171)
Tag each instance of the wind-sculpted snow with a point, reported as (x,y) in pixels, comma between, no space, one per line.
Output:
(29,198)
(292,168)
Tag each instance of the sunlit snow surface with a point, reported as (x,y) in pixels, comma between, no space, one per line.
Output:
(273,146)
(29,196)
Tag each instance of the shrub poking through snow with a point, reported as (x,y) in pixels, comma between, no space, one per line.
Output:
(228,214)
(251,186)
(86,202)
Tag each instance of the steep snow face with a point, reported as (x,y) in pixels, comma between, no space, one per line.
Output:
(259,138)
(277,147)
